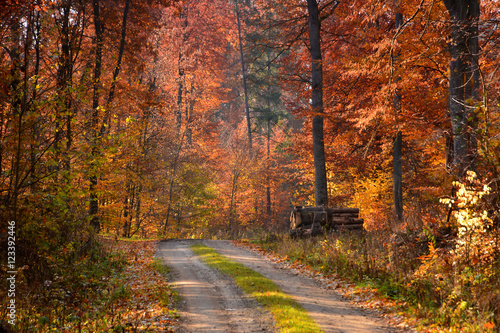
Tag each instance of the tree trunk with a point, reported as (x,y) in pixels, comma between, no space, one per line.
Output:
(398,176)
(97,133)
(188,114)
(398,143)
(181,77)
(94,203)
(180,91)
(317,104)
(175,165)
(17,110)
(464,77)
(105,128)
(64,83)
(35,132)
(244,76)
(268,187)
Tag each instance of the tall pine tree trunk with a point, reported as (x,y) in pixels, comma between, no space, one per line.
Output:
(317,104)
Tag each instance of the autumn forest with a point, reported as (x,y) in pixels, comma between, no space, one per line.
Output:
(212,119)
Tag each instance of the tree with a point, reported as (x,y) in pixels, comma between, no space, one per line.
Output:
(244,77)
(94,122)
(463,80)
(360,85)
(264,91)
(317,103)
(398,143)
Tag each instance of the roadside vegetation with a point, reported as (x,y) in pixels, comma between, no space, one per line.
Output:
(289,315)
(443,301)
(116,287)
(443,278)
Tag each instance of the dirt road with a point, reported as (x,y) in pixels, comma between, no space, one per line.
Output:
(212,303)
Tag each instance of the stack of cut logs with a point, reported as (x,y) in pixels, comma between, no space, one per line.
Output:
(312,220)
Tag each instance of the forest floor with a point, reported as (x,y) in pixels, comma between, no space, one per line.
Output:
(211,302)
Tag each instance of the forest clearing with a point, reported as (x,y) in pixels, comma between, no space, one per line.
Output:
(358,140)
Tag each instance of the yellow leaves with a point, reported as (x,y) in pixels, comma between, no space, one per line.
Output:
(468,196)
(474,243)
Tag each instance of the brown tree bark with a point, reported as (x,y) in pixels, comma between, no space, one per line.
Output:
(244,78)
(17,108)
(317,104)
(181,71)
(398,175)
(268,186)
(64,115)
(99,30)
(464,80)
(397,146)
(105,128)
(97,133)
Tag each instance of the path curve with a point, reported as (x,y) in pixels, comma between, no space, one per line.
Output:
(211,302)
(201,285)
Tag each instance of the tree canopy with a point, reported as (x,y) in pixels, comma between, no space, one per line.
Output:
(196,118)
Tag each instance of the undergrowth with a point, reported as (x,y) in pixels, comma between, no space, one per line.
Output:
(392,266)
(446,276)
(116,287)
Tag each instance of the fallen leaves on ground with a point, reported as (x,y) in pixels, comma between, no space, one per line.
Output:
(149,305)
(118,287)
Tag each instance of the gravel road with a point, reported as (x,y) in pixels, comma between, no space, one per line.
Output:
(212,303)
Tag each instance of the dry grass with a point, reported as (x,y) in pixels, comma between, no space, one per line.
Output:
(410,276)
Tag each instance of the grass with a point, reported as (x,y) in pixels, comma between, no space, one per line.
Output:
(432,297)
(288,314)
(157,265)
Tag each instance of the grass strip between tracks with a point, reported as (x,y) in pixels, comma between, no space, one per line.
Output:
(288,314)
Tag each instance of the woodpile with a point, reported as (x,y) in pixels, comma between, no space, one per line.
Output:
(313,220)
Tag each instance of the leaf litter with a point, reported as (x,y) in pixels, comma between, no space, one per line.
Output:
(150,307)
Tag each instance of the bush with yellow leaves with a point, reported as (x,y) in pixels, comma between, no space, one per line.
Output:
(475,245)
